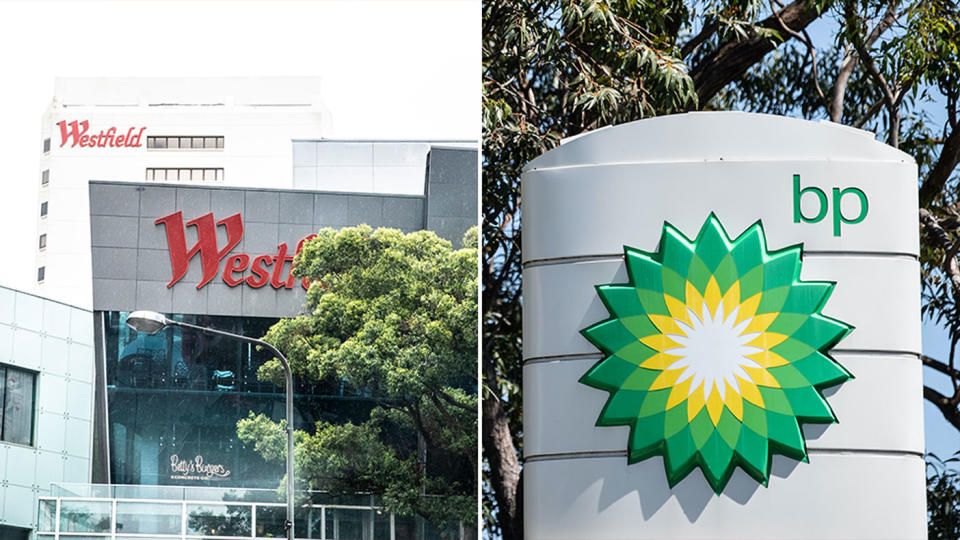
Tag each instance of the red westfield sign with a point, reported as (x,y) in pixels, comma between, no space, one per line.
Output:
(264,268)
(77,133)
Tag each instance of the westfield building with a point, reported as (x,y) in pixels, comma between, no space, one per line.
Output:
(207,236)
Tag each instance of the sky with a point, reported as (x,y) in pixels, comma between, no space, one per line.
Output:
(389,70)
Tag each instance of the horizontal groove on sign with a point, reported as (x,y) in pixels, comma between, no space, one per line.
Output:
(623,453)
(811,253)
(718,159)
(833,352)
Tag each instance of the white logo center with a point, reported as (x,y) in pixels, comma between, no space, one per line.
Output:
(713,350)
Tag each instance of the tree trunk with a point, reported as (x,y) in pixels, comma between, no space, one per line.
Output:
(501,454)
(735,57)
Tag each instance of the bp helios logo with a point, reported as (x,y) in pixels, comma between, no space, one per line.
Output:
(715,352)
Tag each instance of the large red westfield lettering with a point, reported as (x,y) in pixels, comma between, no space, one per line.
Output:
(76,132)
(211,255)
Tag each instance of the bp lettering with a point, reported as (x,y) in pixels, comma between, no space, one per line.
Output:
(823,205)
(264,269)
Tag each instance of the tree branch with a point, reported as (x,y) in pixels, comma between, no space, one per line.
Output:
(705,33)
(849,64)
(804,38)
(946,406)
(736,56)
(871,112)
(501,455)
(946,163)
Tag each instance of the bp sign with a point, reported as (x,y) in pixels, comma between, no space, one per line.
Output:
(714,353)
(721,333)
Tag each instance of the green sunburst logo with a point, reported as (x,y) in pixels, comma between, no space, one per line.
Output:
(715,352)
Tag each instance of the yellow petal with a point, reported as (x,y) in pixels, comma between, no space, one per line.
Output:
(679,393)
(749,391)
(694,300)
(761,376)
(768,359)
(660,361)
(731,299)
(712,296)
(748,308)
(767,340)
(678,310)
(714,405)
(760,323)
(666,324)
(659,342)
(666,379)
(695,402)
(734,402)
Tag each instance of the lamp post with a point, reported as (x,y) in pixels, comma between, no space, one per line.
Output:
(151,322)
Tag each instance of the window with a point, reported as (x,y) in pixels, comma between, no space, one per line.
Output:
(179,142)
(185,175)
(45,177)
(41,273)
(46,145)
(43,241)
(18,404)
(43,209)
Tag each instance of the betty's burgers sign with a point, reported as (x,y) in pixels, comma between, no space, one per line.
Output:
(218,261)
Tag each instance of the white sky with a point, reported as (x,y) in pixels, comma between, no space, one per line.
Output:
(389,69)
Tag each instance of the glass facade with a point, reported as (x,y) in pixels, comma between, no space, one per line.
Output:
(174,399)
(103,512)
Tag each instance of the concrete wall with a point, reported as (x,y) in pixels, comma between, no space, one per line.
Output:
(55,340)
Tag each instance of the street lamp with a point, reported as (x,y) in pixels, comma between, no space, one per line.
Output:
(151,322)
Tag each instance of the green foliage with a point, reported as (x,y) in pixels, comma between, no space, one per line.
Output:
(555,69)
(393,316)
(943,498)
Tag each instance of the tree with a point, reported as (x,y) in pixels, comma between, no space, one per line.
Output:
(943,498)
(557,68)
(393,317)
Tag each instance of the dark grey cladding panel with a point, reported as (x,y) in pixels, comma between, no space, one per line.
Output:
(150,235)
(223,299)
(114,200)
(296,207)
(193,203)
(226,202)
(452,192)
(114,294)
(114,262)
(151,295)
(330,210)
(262,206)
(189,299)
(403,214)
(260,238)
(158,201)
(132,266)
(365,209)
(154,265)
(113,231)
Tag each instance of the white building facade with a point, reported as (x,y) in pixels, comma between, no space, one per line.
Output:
(233,131)
(239,132)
